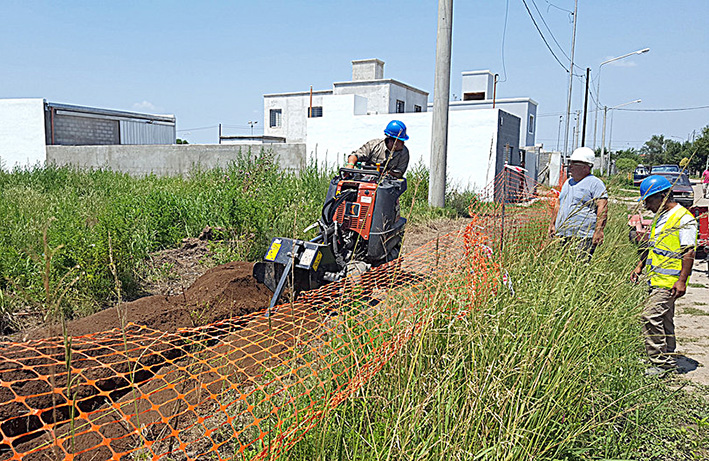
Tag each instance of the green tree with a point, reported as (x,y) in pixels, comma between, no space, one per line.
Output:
(625,165)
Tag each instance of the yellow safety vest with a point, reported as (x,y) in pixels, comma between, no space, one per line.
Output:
(665,258)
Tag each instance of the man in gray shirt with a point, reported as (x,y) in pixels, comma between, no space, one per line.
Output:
(389,152)
(580,216)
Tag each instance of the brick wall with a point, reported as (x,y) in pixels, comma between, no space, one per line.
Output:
(77,131)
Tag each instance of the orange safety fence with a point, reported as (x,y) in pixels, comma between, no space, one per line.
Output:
(251,387)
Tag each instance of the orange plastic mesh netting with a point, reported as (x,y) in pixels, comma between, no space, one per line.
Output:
(250,387)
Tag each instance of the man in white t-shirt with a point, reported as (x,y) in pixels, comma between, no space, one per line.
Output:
(669,257)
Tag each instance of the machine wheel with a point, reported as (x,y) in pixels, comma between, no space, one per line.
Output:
(393,253)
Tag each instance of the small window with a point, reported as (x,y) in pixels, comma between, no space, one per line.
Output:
(417,108)
(275,121)
(400,106)
(315,111)
(530,128)
(478,96)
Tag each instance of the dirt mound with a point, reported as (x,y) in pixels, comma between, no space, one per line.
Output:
(222,292)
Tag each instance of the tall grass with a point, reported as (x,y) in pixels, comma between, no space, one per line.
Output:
(252,198)
(552,371)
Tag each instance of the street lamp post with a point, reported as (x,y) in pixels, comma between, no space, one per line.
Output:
(598,86)
(251,124)
(603,148)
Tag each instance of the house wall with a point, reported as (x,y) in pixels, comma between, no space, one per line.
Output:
(479,81)
(294,113)
(80,130)
(521,107)
(22,134)
(168,160)
(473,151)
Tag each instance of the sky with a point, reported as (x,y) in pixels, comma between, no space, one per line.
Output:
(211,62)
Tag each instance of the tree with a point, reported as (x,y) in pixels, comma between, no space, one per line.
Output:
(181,141)
(625,165)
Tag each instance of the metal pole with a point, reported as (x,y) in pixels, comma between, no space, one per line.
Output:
(585,109)
(494,89)
(558,133)
(571,81)
(598,86)
(441,94)
(603,141)
(220,133)
(598,107)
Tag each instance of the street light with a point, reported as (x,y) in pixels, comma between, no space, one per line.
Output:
(251,124)
(598,86)
(603,149)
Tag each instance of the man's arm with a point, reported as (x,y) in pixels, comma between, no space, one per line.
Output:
(635,275)
(362,154)
(680,286)
(552,224)
(601,218)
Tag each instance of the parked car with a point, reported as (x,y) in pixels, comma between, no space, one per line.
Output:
(639,174)
(681,187)
(671,168)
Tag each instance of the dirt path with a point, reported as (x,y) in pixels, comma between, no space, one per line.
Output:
(692,318)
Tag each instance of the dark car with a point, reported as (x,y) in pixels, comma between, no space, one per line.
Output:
(672,168)
(681,187)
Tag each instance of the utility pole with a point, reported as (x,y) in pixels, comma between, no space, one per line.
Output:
(558,134)
(585,110)
(441,94)
(603,140)
(571,81)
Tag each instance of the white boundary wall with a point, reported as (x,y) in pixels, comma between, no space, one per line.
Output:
(22,136)
(472,138)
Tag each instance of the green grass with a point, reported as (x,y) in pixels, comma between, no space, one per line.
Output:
(693,311)
(251,198)
(553,372)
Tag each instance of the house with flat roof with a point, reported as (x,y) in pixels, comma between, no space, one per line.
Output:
(286,114)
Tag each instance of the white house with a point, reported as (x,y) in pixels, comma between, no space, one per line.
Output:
(477,89)
(481,139)
(286,114)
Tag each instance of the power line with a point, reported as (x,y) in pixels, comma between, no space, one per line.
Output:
(504,34)
(676,109)
(558,8)
(543,38)
(552,33)
(201,128)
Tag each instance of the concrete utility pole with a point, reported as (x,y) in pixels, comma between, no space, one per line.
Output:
(441,94)
(585,109)
(571,82)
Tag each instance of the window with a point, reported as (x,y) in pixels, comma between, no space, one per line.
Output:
(275,119)
(417,108)
(400,106)
(315,111)
(530,128)
(474,96)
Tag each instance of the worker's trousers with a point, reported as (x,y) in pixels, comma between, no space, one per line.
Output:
(659,328)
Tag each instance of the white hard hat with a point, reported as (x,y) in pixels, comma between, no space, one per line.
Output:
(583,154)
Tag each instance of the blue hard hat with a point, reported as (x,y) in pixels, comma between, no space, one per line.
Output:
(652,185)
(396,129)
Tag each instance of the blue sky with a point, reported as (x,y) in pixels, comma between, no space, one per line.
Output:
(210,62)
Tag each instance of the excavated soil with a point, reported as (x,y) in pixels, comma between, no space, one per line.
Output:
(223,292)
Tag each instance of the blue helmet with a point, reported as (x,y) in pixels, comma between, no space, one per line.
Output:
(652,185)
(396,129)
